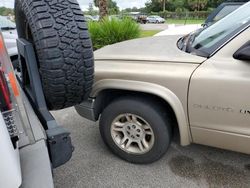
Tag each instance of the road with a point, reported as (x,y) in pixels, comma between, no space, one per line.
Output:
(92,165)
(159,27)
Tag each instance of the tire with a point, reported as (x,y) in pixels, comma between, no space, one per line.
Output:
(144,110)
(63,48)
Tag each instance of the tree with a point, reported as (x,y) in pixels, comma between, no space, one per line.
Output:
(91,9)
(6,11)
(128,10)
(103,8)
(197,5)
(153,6)
(111,5)
(134,9)
(164,5)
(173,5)
(163,2)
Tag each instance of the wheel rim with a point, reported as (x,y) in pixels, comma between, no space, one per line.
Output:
(132,134)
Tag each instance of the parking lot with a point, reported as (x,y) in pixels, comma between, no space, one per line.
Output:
(92,165)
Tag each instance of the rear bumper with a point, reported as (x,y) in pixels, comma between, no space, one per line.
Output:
(35,166)
(87,110)
(35,162)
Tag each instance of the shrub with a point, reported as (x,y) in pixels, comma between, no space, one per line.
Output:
(108,31)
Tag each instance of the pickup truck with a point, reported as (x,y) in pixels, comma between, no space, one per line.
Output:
(198,84)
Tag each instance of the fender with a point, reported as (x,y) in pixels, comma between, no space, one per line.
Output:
(153,89)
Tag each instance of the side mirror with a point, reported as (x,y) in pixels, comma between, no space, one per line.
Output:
(204,25)
(243,53)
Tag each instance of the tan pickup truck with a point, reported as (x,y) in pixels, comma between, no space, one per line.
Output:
(199,83)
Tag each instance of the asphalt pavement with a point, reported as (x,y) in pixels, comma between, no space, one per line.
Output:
(159,27)
(93,165)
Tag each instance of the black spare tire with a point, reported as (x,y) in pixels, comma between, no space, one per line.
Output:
(59,33)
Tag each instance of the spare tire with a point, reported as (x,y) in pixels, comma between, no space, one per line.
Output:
(63,47)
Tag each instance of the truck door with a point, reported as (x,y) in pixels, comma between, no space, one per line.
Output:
(219,99)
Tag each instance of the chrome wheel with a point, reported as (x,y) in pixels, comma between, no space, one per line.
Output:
(132,134)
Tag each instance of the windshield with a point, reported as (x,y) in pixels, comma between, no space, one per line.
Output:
(225,11)
(208,40)
(6,24)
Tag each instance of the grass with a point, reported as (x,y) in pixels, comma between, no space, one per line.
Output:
(183,21)
(149,33)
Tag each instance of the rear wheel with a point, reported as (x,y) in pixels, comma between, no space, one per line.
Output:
(63,48)
(136,130)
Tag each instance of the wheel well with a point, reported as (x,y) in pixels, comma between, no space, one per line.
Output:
(14,60)
(107,96)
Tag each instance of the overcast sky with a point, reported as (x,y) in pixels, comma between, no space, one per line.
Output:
(85,3)
(121,3)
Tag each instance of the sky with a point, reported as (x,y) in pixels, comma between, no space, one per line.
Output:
(121,3)
(85,3)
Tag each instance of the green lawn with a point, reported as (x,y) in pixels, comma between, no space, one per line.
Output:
(183,21)
(149,33)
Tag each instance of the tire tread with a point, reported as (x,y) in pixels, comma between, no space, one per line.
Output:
(63,47)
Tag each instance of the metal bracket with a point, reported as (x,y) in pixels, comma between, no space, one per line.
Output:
(59,141)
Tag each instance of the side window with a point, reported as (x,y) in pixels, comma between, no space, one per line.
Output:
(225,11)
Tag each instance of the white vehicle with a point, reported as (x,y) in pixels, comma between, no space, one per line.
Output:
(90,18)
(155,19)
(10,35)
(59,76)
(96,17)
(23,141)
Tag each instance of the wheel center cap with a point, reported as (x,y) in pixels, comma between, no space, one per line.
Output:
(134,131)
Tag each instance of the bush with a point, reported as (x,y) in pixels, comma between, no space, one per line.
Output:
(108,31)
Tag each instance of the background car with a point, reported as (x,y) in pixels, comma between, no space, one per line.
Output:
(96,17)
(9,32)
(155,19)
(142,19)
(91,18)
(139,17)
(115,17)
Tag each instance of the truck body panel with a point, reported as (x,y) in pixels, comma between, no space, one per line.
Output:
(219,99)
